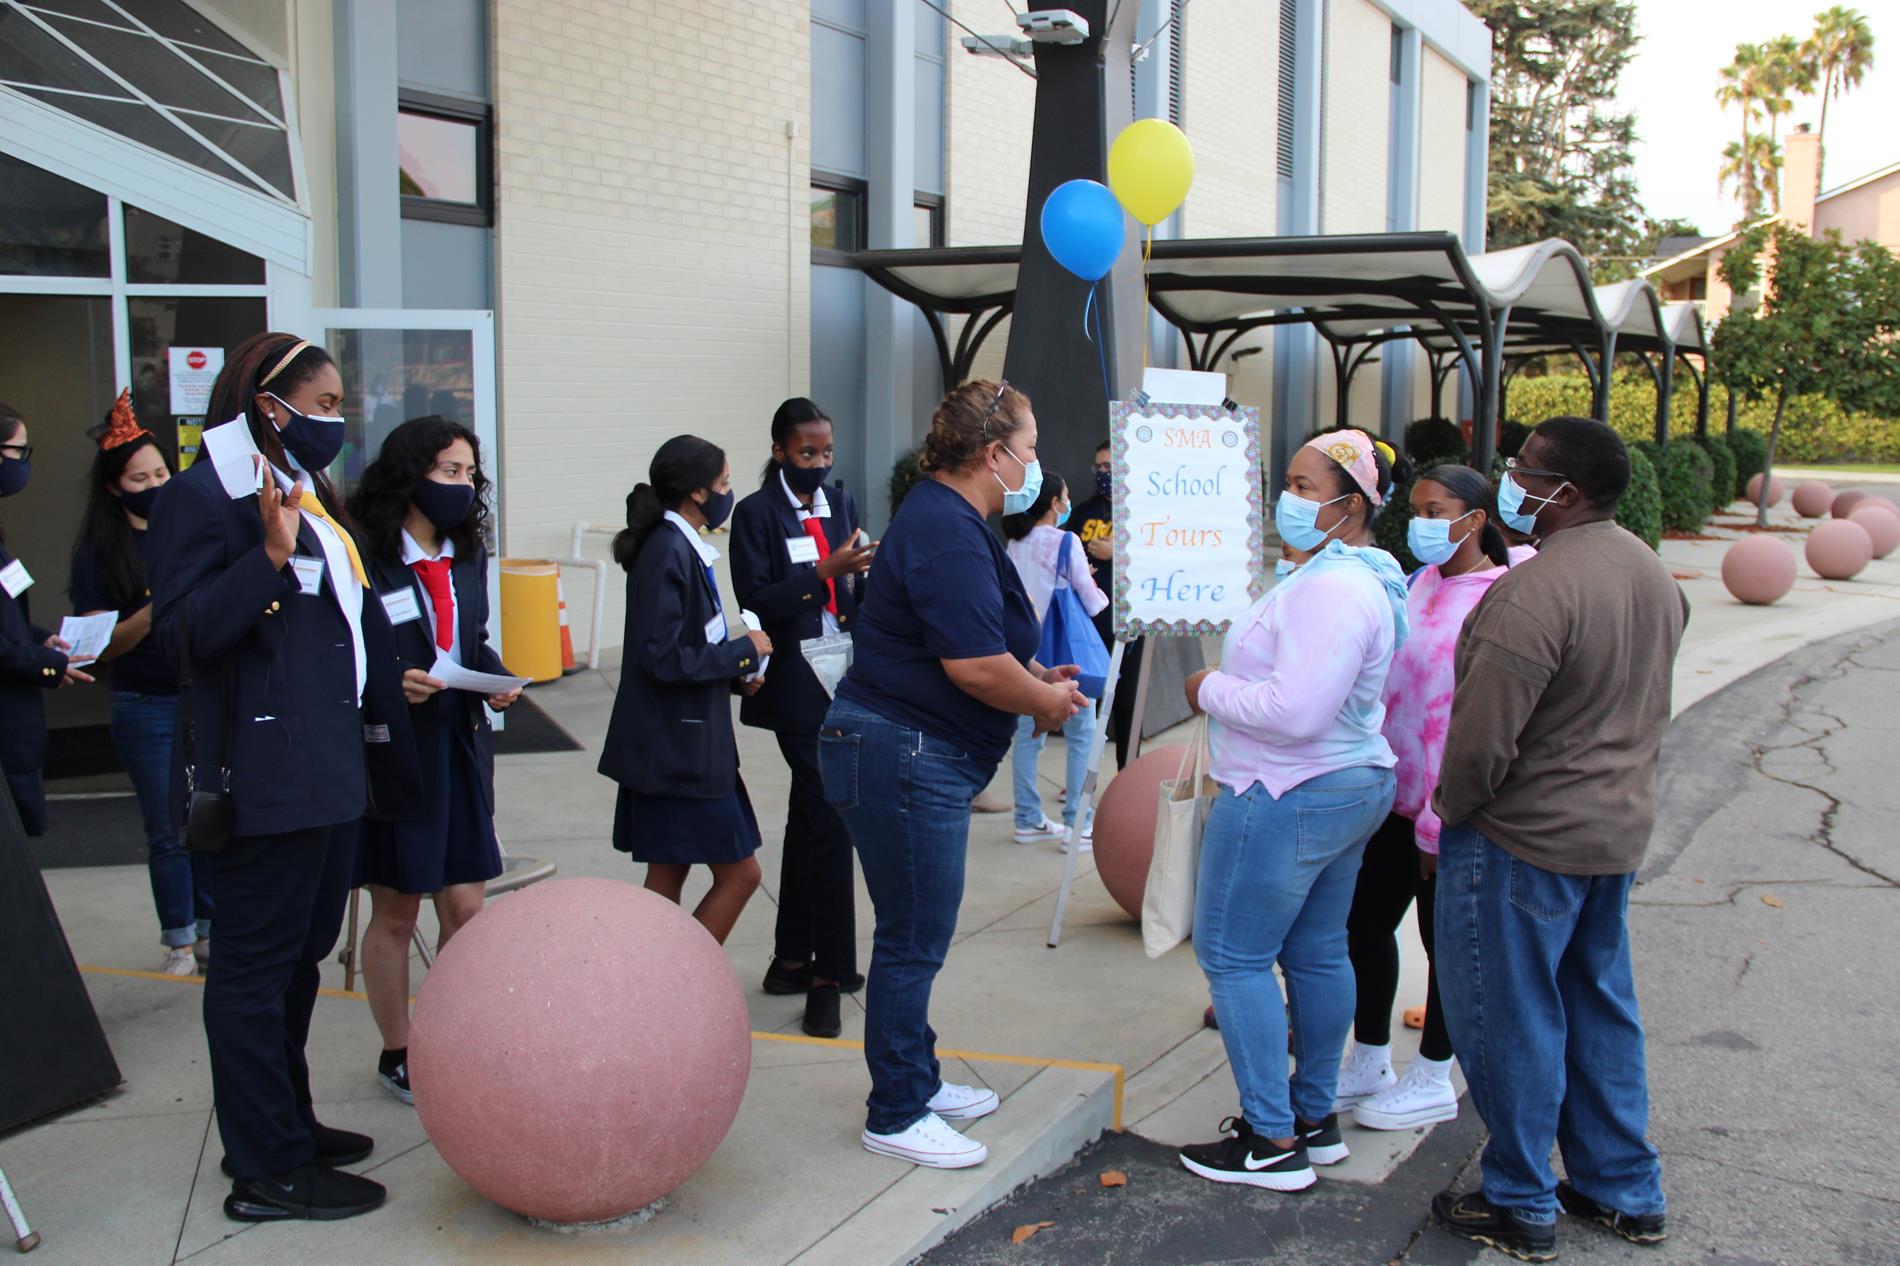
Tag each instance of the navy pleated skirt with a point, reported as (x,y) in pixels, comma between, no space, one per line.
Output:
(452,843)
(685,831)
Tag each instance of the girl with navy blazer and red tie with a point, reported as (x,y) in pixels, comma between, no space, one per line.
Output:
(422,514)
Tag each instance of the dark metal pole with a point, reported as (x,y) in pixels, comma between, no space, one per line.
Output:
(1606,366)
(1665,375)
(1484,427)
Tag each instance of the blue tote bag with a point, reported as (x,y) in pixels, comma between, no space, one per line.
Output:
(1069,636)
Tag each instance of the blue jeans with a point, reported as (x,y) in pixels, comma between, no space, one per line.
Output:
(1079,735)
(1275,884)
(905,797)
(1534,972)
(181,885)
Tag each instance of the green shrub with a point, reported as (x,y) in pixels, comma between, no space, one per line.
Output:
(905,475)
(1751,454)
(1648,448)
(1511,437)
(1685,477)
(1722,477)
(1641,508)
(1429,441)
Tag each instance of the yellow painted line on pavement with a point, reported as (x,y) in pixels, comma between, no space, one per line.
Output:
(1119,1073)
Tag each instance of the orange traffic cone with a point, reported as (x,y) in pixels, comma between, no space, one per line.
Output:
(568,663)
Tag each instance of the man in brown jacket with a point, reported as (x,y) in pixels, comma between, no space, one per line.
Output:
(1548,795)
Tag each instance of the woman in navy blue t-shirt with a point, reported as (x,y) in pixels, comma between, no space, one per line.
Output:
(944,664)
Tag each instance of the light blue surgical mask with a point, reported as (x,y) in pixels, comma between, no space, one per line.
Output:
(1018,500)
(1511,499)
(1298,521)
(1284,567)
(1064,516)
(1430,539)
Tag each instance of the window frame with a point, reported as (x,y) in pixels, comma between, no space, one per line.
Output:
(858,190)
(481,212)
(934,204)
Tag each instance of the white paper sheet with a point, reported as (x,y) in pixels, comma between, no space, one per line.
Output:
(88,635)
(456,677)
(752,622)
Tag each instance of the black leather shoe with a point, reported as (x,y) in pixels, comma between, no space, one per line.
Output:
(1639,1228)
(335,1148)
(1471,1217)
(783,981)
(821,1012)
(317,1193)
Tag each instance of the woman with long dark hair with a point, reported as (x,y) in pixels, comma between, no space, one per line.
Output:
(670,744)
(422,515)
(111,572)
(31,658)
(296,726)
(796,559)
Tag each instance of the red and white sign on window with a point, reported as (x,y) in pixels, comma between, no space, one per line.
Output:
(193,371)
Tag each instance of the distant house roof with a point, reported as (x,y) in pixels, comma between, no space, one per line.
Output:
(1670,247)
(1675,252)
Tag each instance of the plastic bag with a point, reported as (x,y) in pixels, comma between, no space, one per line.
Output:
(829,657)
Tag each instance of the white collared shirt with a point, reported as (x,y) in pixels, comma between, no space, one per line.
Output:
(707,556)
(820,508)
(413,553)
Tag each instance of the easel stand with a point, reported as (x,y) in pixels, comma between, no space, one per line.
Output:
(25,1238)
(1094,781)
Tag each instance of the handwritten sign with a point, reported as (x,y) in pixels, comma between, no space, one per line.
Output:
(1187,517)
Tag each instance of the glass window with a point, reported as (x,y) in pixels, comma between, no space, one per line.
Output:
(255,80)
(158,325)
(150,66)
(837,219)
(29,56)
(156,250)
(49,226)
(140,123)
(390,376)
(94,10)
(926,224)
(439,158)
(176,20)
(265,150)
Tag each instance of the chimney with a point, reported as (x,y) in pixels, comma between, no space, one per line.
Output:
(1800,178)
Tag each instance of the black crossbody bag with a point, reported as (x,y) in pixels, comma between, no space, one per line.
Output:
(210,814)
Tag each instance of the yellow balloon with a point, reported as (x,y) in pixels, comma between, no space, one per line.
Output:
(1150,167)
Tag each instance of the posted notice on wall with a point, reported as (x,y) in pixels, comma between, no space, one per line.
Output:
(193,371)
(1187,516)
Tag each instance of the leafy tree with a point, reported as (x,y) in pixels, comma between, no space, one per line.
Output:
(1741,85)
(1839,54)
(1785,70)
(1754,174)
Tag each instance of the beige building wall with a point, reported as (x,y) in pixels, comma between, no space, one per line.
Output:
(312,61)
(1441,185)
(654,254)
(1870,212)
(1230,113)
(1356,112)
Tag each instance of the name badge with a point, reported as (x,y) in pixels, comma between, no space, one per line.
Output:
(401,606)
(309,572)
(376,734)
(803,549)
(15,579)
(716,630)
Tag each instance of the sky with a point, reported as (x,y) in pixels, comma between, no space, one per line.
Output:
(1671,87)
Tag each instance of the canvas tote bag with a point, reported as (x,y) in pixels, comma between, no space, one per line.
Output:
(1167,907)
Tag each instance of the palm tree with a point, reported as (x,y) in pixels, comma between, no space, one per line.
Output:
(1754,171)
(1839,54)
(1742,85)
(1784,71)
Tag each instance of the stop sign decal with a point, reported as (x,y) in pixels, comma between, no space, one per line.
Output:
(195,359)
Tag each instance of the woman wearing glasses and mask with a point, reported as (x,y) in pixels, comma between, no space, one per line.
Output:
(945,663)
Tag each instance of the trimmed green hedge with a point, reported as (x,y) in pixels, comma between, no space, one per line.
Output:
(905,475)
(1429,441)
(1641,508)
(1751,455)
(1685,478)
(1722,477)
(1511,437)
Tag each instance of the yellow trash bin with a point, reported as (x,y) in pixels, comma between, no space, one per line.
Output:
(531,617)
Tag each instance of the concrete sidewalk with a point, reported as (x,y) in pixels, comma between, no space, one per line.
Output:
(132,1178)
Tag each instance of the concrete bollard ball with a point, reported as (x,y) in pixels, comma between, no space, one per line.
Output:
(579,1050)
(1812,499)
(1125,825)
(1838,549)
(1758,570)
(1882,522)
(1844,503)
(1775,491)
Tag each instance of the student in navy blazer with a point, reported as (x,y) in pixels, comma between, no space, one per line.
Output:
(421,514)
(296,684)
(31,659)
(796,564)
(670,744)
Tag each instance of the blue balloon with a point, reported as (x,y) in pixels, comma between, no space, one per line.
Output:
(1082,227)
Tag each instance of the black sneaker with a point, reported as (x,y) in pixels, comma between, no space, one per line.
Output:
(1637,1228)
(1471,1217)
(315,1192)
(1321,1139)
(1244,1157)
(821,1012)
(335,1148)
(392,1069)
(781,981)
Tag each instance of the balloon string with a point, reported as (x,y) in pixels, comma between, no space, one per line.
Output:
(1147,257)
(1085,313)
(1101,341)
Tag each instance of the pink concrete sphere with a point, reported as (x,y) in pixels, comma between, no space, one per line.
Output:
(1758,570)
(1882,522)
(1812,499)
(1838,549)
(579,1050)
(1775,491)
(1844,503)
(1125,825)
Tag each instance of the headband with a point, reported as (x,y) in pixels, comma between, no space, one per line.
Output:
(122,427)
(289,356)
(1353,450)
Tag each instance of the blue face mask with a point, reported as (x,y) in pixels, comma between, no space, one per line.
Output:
(1430,539)
(1511,499)
(1018,500)
(1064,516)
(312,438)
(1298,521)
(1284,567)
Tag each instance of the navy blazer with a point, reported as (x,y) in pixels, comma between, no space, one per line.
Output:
(304,755)
(671,732)
(789,600)
(460,711)
(27,666)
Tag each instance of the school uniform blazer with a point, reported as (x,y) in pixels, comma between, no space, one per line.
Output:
(460,711)
(789,600)
(671,732)
(303,754)
(27,667)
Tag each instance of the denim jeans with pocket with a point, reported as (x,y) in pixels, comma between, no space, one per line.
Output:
(905,797)
(1275,884)
(1078,736)
(1534,972)
(142,726)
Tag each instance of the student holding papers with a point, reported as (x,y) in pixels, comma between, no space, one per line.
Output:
(422,515)
(670,743)
(293,727)
(112,563)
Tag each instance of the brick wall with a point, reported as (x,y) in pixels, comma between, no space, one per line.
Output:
(991,111)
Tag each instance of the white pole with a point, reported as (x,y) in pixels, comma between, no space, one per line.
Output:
(1085,810)
(24,1236)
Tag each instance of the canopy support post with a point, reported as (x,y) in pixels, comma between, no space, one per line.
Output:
(1484,427)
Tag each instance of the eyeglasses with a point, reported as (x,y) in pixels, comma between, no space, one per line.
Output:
(1511,467)
(19,452)
(1001,386)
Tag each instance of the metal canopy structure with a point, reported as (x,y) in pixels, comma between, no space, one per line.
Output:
(1359,292)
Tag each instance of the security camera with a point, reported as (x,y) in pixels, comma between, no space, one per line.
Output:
(1054,26)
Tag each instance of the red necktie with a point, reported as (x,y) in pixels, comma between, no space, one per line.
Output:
(815,528)
(435,578)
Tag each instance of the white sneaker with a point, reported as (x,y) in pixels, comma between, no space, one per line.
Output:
(180,961)
(1366,1072)
(1038,834)
(1415,1099)
(931,1143)
(963,1103)
(1085,845)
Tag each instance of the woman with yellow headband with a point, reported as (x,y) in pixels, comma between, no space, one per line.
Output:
(294,724)
(1304,776)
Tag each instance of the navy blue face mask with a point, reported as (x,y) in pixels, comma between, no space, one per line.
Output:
(718,508)
(313,439)
(14,473)
(140,503)
(445,505)
(805,480)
